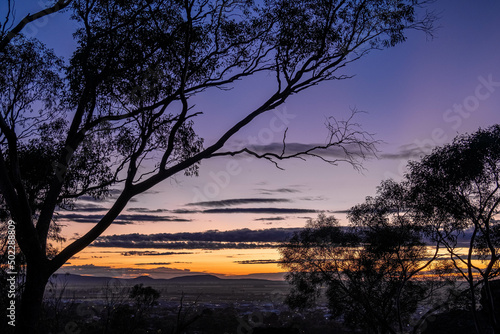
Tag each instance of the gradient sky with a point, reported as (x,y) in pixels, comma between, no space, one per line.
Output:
(417,95)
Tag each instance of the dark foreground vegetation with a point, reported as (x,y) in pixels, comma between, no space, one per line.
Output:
(257,307)
(224,306)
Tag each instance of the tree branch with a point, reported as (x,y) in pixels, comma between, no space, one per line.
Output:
(59,5)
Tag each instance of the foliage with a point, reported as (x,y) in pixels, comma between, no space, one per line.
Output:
(376,272)
(457,187)
(144,297)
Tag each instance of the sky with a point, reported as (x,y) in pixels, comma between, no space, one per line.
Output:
(227,221)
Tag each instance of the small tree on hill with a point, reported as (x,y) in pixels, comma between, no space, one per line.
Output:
(144,297)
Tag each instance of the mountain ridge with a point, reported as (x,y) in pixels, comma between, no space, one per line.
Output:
(145,279)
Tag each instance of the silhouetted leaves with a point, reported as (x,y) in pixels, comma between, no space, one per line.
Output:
(374,271)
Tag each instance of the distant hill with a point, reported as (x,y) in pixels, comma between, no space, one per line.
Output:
(196,278)
(142,279)
(72,279)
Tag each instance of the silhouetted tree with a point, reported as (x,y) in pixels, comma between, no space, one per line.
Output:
(187,315)
(115,295)
(124,98)
(375,271)
(494,286)
(411,262)
(457,187)
(12,260)
(144,297)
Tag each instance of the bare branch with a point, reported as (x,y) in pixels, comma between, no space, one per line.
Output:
(351,142)
(58,6)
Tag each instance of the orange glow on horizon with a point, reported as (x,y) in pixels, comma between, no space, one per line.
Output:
(225,262)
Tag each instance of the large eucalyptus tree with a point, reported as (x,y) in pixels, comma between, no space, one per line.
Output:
(125,97)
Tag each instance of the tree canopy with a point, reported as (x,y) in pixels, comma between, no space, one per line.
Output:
(457,187)
(376,271)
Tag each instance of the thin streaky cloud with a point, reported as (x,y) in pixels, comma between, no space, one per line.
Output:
(85,207)
(278,191)
(238,235)
(238,201)
(247,210)
(90,219)
(313,198)
(205,245)
(121,219)
(152,253)
(260,210)
(340,211)
(185,211)
(146,210)
(258,262)
(408,152)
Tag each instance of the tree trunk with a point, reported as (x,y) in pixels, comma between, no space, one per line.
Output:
(474,310)
(31,299)
(489,305)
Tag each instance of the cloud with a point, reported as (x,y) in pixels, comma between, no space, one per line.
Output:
(87,207)
(408,152)
(313,198)
(210,245)
(238,235)
(258,262)
(145,217)
(121,219)
(238,201)
(260,210)
(247,210)
(270,220)
(340,211)
(277,191)
(212,240)
(92,219)
(185,211)
(153,264)
(152,253)
(146,210)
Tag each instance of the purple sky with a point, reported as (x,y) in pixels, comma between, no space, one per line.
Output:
(419,94)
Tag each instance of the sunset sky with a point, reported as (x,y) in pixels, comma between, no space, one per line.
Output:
(417,95)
